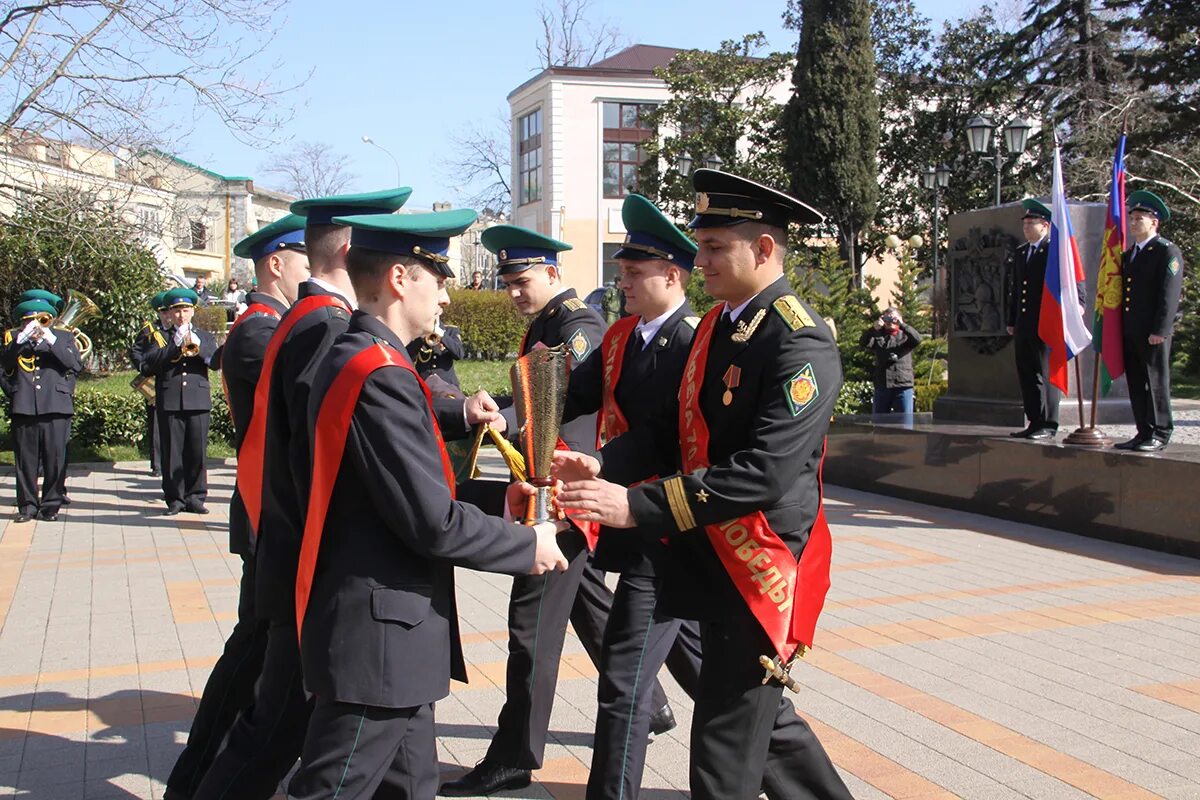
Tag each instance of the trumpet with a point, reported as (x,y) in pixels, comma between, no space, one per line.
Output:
(191,345)
(432,340)
(77,308)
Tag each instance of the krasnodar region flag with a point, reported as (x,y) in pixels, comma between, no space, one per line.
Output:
(1107,322)
(1060,324)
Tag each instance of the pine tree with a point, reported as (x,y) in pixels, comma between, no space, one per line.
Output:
(831,122)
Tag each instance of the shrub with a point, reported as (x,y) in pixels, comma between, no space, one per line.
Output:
(211,319)
(854,398)
(491,326)
(925,394)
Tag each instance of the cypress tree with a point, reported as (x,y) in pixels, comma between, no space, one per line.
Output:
(831,122)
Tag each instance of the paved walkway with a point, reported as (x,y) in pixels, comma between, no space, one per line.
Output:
(959,657)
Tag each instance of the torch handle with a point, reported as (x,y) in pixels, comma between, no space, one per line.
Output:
(538,508)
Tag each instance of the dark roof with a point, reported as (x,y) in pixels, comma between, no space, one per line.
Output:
(639,57)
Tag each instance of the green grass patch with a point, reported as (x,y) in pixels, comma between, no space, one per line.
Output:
(490,375)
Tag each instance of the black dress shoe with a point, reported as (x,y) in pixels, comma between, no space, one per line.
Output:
(1151,445)
(662,720)
(172,511)
(47,516)
(66,501)
(1131,444)
(198,508)
(154,473)
(1042,433)
(22,517)
(487,777)
(1021,434)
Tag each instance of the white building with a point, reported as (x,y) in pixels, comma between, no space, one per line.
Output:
(576,149)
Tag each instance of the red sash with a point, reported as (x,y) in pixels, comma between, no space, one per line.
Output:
(250,457)
(251,310)
(611,422)
(329,442)
(785,597)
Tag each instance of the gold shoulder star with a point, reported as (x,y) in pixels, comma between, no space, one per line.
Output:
(702,496)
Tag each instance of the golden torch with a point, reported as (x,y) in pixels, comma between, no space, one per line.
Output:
(539,381)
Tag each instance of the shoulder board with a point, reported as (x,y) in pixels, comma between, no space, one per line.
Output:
(793,312)
(159,340)
(691,322)
(574,304)
(1166,242)
(8,336)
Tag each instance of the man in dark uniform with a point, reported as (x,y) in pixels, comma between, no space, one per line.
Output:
(539,607)
(437,357)
(375,587)
(137,355)
(1152,272)
(40,364)
(1038,396)
(178,359)
(748,545)
(280,264)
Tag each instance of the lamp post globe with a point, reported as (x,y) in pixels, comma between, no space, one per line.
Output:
(979,133)
(1016,135)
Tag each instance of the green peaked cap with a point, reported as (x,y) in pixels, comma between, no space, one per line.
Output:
(1142,200)
(42,294)
(649,234)
(31,307)
(423,236)
(1035,210)
(181,296)
(518,248)
(269,238)
(322,210)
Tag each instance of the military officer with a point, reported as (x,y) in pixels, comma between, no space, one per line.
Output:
(1152,276)
(137,355)
(435,355)
(40,364)
(1038,396)
(280,265)
(742,513)
(178,359)
(539,607)
(375,586)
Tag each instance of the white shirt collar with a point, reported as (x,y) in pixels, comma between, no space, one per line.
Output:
(329,287)
(649,330)
(1140,244)
(735,312)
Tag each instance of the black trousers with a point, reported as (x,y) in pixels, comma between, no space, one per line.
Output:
(183,437)
(40,441)
(1038,396)
(738,722)
(153,439)
(538,610)
(1148,372)
(356,752)
(267,737)
(228,692)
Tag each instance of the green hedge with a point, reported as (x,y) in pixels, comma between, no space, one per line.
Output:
(491,327)
(856,396)
(212,319)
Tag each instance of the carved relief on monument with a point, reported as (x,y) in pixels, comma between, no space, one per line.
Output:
(980,274)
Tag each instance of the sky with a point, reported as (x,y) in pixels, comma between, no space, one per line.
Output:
(411,75)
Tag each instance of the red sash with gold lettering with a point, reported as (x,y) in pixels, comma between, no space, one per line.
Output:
(611,422)
(250,457)
(329,442)
(251,310)
(785,597)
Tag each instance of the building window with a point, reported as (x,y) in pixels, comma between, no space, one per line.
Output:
(610,268)
(199,236)
(626,128)
(529,151)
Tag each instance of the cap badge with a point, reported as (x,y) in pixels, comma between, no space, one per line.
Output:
(701,202)
(503,255)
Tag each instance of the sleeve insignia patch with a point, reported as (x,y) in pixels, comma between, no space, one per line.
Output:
(793,312)
(579,345)
(1173,265)
(801,390)
(574,304)
(691,322)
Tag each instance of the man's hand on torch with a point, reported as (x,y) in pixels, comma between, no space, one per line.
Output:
(481,408)
(595,500)
(571,466)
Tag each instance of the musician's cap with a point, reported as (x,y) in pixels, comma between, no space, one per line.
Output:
(42,294)
(159,301)
(31,308)
(284,233)
(518,249)
(723,199)
(1141,200)
(1035,210)
(649,234)
(422,236)
(179,297)
(322,210)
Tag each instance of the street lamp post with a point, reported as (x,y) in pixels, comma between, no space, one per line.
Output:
(368,140)
(935,179)
(980,131)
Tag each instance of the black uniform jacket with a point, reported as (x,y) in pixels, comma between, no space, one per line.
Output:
(765,448)
(40,376)
(567,319)
(1025,294)
(180,382)
(381,626)
(241,360)
(438,360)
(1153,284)
(649,381)
(141,343)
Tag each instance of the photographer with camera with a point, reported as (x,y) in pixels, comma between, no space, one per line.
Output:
(892,341)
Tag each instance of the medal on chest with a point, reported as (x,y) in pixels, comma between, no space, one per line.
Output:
(731,379)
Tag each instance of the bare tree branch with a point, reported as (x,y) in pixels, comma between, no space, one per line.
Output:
(482,163)
(569,40)
(310,169)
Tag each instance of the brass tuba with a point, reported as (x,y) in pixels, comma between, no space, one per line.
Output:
(77,308)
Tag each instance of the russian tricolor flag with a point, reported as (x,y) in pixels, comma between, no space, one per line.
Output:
(1060,324)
